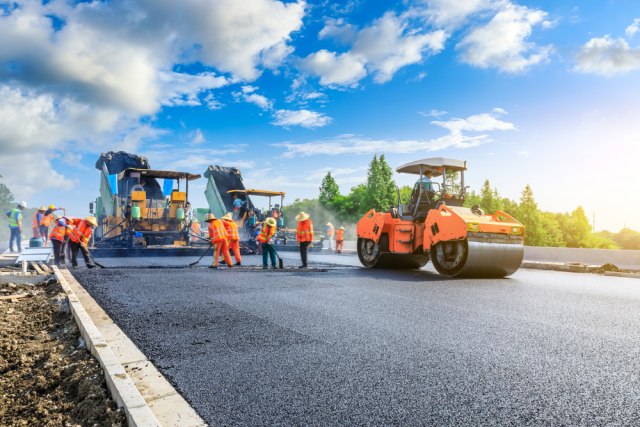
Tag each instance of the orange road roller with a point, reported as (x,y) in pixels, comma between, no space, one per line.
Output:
(460,241)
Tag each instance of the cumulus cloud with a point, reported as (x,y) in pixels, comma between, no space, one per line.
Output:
(340,70)
(632,29)
(502,42)
(356,144)
(303,118)
(607,56)
(452,13)
(379,49)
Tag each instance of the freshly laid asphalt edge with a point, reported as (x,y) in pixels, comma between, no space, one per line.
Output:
(135,384)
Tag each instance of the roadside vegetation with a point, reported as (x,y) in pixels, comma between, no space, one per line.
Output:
(569,229)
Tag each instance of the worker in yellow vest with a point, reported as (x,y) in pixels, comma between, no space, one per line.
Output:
(232,236)
(339,240)
(218,236)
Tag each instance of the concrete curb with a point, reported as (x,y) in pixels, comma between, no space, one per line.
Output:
(149,389)
(122,389)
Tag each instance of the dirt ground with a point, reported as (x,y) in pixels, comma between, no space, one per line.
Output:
(47,376)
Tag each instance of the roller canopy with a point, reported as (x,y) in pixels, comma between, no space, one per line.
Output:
(433,167)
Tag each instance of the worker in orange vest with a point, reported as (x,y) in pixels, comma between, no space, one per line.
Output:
(59,236)
(304,235)
(45,222)
(218,236)
(339,240)
(79,239)
(329,234)
(37,219)
(269,228)
(232,236)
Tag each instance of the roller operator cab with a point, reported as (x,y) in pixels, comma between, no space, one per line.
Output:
(435,225)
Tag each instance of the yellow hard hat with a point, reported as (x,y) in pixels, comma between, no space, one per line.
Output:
(91,220)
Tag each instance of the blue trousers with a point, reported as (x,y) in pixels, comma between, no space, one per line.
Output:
(268,249)
(15,235)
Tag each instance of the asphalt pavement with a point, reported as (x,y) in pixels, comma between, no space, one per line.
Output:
(348,346)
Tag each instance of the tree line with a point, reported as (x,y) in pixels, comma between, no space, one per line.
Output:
(543,228)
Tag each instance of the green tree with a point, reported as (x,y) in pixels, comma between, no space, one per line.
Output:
(329,190)
(490,201)
(380,185)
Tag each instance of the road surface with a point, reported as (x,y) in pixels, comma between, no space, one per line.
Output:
(348,346)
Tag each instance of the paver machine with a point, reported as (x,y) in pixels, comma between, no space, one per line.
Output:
(134,209)
(460,241)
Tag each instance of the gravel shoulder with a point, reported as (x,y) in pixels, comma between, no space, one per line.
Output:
(47,376)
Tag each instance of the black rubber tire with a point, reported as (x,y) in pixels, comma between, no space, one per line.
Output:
(458,258)
(376,255)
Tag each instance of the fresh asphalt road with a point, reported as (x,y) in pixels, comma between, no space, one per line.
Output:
(349,346)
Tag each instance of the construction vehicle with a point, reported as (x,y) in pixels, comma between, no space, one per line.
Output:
(133,209)
(460,241)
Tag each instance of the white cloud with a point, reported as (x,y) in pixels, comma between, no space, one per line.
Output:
(476,123)
(25,181)
(339,30)
(632,29)
(502,42)
(196,137)
(258,100)
(355,144)
(303,118)
(451,13)
(380,49)
(389,45)
(607,56)
(341,70)
(433,113)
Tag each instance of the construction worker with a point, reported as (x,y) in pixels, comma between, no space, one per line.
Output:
(218,236)
(58,239)
(304,235)
(329,234)
(232,235)
(339,240)
(45,222)
(79,239)
(269,228)
(15,225)
(37,219)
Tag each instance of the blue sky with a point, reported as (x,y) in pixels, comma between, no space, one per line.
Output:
(544,93)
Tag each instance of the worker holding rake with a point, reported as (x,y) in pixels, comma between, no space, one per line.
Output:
(218,236)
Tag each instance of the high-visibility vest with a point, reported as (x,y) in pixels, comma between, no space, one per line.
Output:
(81,233)
(304,233)
(217,232)
(329,230)
(46,220)
(232,229)
(339,235)
(58,233)
(266,233)
(36,220)
(14,217)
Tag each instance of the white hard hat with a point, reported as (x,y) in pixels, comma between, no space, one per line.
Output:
(22,204)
